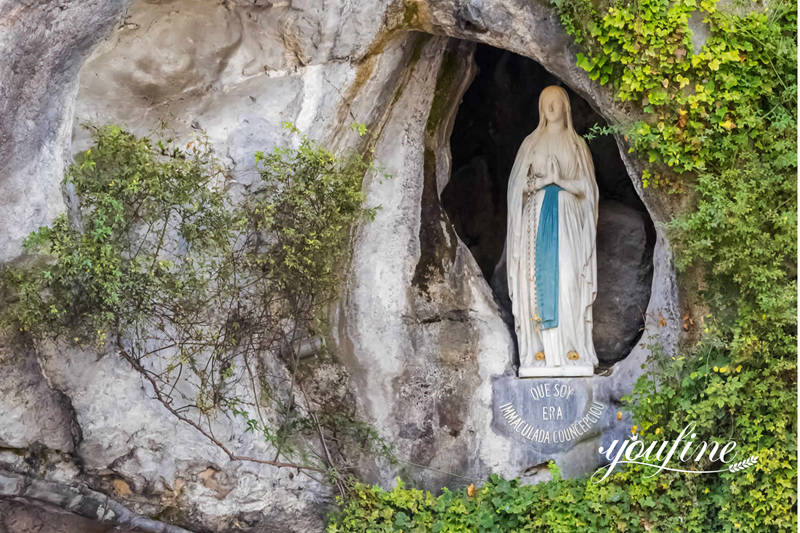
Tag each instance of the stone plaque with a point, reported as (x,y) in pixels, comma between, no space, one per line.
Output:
(548,414)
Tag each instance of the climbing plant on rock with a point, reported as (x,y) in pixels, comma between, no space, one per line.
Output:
(700,106)
(719,119)
(211,301)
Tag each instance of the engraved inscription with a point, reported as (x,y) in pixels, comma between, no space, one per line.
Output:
(549,414)
(544,436)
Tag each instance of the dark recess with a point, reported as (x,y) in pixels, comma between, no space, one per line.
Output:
(497,112)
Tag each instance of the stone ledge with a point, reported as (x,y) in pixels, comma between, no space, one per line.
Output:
(557,371)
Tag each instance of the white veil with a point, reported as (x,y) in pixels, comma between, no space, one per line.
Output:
(515,247)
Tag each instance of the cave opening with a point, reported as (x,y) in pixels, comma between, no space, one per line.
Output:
(498,110)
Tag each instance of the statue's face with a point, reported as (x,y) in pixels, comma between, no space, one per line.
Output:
(554,110)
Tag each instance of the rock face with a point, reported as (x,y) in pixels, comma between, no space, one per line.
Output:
(17,517)
(624,272)
(418,326)
(37,98)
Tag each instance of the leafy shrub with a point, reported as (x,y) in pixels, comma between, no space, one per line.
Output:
(725,119)
(558,505)
(200,295)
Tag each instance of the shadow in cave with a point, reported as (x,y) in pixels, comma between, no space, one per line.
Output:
(497,112)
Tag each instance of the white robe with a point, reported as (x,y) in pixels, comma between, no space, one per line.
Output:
(577,262)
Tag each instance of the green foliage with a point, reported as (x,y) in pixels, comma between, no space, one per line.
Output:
(628,502)
(195,291)
(556,506)
(744,232)
(725,119)
(700,108)
(597,130)
(308,201)
(100,269)
(721,123)
(750,403)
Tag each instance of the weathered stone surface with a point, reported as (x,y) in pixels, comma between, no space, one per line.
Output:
(139,452)
(43,45)
(69,506)
(418,327)
(625,275)
(32,412)
(16,517)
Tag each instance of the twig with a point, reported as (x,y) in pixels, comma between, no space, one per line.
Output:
(164,401)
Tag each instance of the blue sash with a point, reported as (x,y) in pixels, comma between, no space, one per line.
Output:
(547,258)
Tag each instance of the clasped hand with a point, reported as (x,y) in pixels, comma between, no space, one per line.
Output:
(540,179)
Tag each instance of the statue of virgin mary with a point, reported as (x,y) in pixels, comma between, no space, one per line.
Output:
(550,248)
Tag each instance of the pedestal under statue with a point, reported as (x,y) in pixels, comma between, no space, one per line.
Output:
(550,249)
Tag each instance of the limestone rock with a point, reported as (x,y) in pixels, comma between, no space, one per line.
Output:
(16,517)
(43,46)
(624,272)
(33,412)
